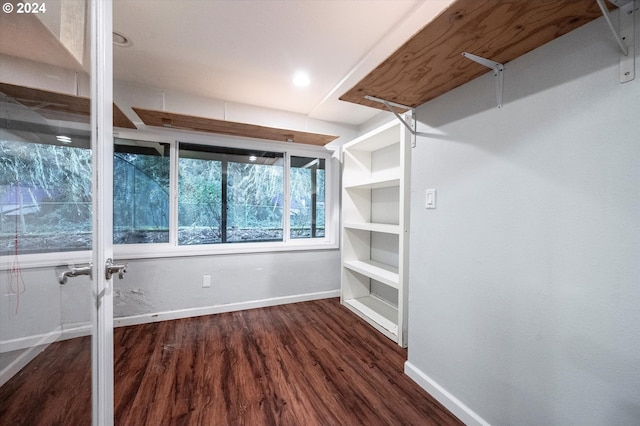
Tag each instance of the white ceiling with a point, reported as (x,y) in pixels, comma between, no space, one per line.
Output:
(243,51)
(247,51)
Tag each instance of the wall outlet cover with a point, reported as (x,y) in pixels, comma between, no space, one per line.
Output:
(206,281)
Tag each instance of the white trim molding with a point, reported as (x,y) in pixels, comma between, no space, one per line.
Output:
(453,404)
(219,309)
(31,347)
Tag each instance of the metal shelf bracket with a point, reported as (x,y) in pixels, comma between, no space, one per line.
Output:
(413,129)
(498,72)
(625,36)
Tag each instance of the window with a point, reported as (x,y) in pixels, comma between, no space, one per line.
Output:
(141,174)
(254,189)
(167,194)
(200,198)
(229,195)
(307,197)
(45,193)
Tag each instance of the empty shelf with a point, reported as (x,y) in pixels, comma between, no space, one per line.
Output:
(386,135)
(431,62)
(60,106)
(224,127)
(377,312)
(374,227)
(387,180)
(386,274)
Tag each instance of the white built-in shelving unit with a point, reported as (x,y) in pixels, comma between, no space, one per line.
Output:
(375,228)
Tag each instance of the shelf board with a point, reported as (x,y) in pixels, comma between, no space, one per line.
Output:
(376,312)
(223,127)
(376,139)
(431,62)
(60,106)
(374,227)
(375,183)
(381,272)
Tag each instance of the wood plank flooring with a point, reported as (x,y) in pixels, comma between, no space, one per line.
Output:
(311,363)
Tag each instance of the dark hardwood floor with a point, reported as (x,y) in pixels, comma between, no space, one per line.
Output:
(311,363)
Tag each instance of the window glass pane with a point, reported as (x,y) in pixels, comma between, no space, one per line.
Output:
(229,195)
(199,196)
(140,192)
(255,195)
(307,213)
(45,191)
(320,205)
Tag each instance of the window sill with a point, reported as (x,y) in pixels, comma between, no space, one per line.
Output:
(42,260)
(150,251)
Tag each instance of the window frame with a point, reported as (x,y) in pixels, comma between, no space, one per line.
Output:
(115,138)
(228,159)
(314,194)
(52,258)
(172,249)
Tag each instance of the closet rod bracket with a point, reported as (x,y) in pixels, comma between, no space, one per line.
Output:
(498,72)
(624,36)
(390,106)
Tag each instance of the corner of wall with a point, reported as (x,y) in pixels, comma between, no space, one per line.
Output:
(453,404)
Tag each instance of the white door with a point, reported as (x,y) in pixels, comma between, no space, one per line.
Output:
(56,177)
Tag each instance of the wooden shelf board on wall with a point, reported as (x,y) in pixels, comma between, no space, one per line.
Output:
(431,62)
(210,125)
(60,106)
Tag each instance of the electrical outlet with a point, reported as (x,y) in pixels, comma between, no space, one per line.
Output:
(206,281)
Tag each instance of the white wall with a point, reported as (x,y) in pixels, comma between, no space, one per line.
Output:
(127,95)
(524,298)
(29,305)
(35,310)
(167,285)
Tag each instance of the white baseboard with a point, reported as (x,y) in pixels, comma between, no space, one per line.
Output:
(231,307)
(27,342)
(76,330)
(30,346)
(19,363)
(453,404)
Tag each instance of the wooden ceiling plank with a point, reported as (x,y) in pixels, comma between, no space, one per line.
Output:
(60,106)
(431,62)
(231,128)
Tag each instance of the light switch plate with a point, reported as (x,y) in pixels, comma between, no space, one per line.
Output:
(430,199)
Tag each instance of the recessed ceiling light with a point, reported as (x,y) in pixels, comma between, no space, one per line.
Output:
(121,40)
(63,139)
(301,79)
(253,158)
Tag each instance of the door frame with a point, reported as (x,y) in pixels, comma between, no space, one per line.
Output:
(102,203)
